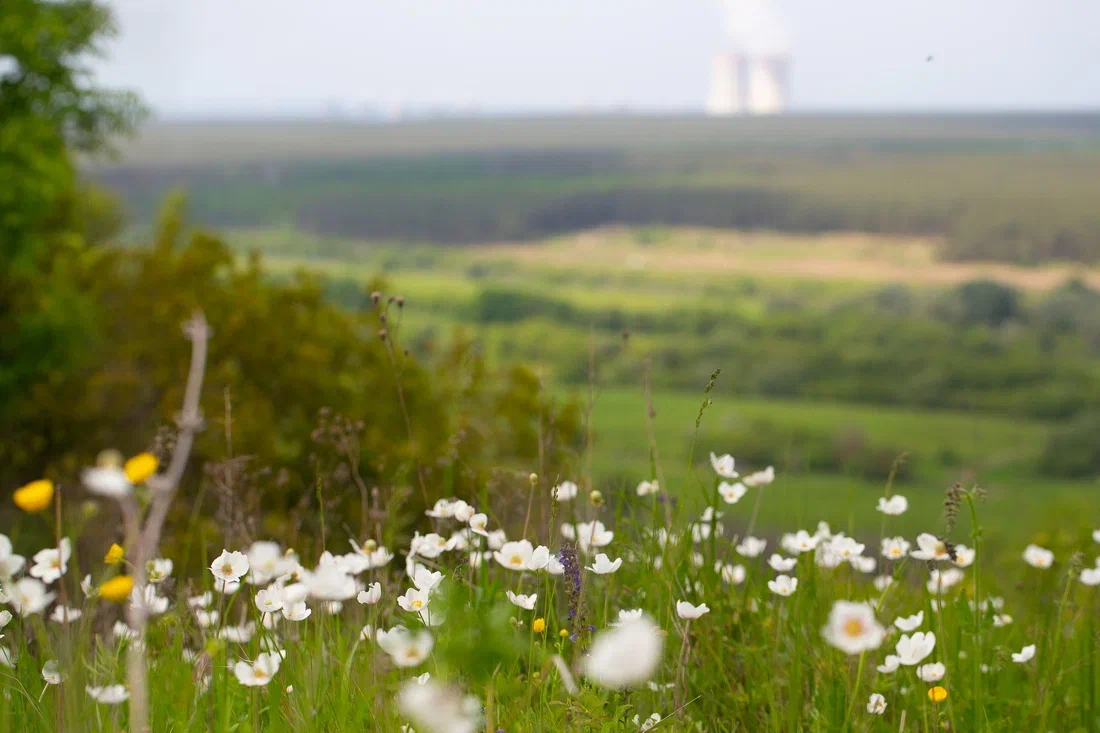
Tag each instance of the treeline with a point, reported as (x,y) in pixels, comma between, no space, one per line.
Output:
(1010,205)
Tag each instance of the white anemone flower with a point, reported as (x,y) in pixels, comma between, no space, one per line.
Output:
(799,542)
(267,561)
(751,547)
(269,600)
(259,672)
(10,563)
(540,558)
(296,611)
(760,478)
(964,556)
(331,583)
(51,673)
(1026,654)
(910,623)
(479,524)
(686,610)
(864,565)
(732,574)
(630,614)
(565,491)
(882,582)
(646,488)
(783,585)
(930,547)
(912,650)
(158,570)
(229,567)
(732,493)
(61,614)
(931,672)
(109,481)
(647,724)
(852,628)
(1090,576)
(625,656)
(1036,557)
(942,581)
(723,465)
(437,708)
(593,534)
(443,509)
(5,618)
(554,566)
(238,634)
(894,548)
(109,695)
(52,562)
(406,648)
(523,601)
(29,596)
(462,511)
(371,595)
(895,505)
(604,565)
(876,704)
(426,580)
(845,547)
(146,598)
(201,601)
(515,555)
(782,564)
(414,600)
(889,665)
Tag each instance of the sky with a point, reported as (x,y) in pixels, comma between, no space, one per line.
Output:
(260,57)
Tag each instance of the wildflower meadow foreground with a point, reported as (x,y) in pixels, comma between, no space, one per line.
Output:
(661,607)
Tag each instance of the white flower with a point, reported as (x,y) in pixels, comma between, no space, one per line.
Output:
(731,493)
(296,611)
(496,539)
(751,547)
(229,567)
(122,632)
(425,579)
(5,618)
(156,571)
(603,565)
(414,600)
(1090,576)
(1001,619)
(889,665)
(330,583)
(930,547)
(28,596)
(625,656)
(436,708)
(723,465)
(554,566)
(863,564)
(109,695)
(371,595)
(845,547)
(1036,557)
(50,673)
(783,585)
(479,524)
(259,672)
(942,581)
(109,481)
(380,558)
(882,582)
(912,650)
(645,488)
(462,511)
(514,555)
(238,634)
(852,628)
(648,723)
(628,614)
(51,563)
(407,649)
(876,704)
(266,562)
(896,504)
(10,563)
(525,602)
(910,623)
(734,574)
(931,672)
(565,491)
(147,598)
(894,548)
(964,556)
(269,600)
(539,559)
(1096,535)
(1025,655)
(799,542)
(686,610)
(206,619)
(61,614)
(593,534)
(86,587)
(760,478)
(442,509)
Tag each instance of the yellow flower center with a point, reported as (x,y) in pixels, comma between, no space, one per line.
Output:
(853,627)
(417,604)
(227,571)
(516,560)
(895,552)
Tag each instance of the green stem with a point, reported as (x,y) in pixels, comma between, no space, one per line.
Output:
(855,691)
(976,537)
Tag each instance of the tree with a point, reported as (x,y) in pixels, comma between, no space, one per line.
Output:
(50,112)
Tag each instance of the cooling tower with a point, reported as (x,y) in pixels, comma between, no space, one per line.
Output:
(727,84)
(767,85)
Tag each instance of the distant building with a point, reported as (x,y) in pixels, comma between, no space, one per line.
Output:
(749,84)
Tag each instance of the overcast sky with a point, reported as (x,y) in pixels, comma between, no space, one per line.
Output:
(202,57)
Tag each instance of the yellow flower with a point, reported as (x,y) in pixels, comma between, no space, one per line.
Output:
(538,625)
(35,496)
(563,633)
(937,694)
(141,467)
(117,589)
(114,554)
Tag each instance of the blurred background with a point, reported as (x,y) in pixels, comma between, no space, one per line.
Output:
(878,220)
